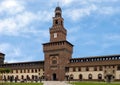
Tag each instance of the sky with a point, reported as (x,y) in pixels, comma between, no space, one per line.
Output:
(93,27)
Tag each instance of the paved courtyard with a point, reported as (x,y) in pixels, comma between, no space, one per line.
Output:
(55,83)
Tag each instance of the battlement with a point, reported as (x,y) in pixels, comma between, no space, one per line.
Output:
(57,46)
(96,58)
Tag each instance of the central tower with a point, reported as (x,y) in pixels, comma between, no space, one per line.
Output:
(58,51)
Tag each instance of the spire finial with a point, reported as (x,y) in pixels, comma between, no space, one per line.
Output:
(58,3)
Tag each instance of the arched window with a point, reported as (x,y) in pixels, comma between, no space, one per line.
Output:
(56,22)
(95,68)
(74,69)
(87,68)
(16,77)
(118,67)
(8,77)
(5,78)
(27,77)
(90,76)
(32,70)
(80,77)
(36,77)
(22,77)
(79,69)
(99,76)
(61,23)
(12,77)
(71,76)
(54,62)
(33,77)
(100,68)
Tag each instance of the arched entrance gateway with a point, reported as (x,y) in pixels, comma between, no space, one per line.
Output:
(54,76)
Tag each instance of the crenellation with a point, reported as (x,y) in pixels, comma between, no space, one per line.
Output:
(94,59)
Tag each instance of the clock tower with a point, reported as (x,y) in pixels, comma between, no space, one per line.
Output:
(58,51)
(58,32)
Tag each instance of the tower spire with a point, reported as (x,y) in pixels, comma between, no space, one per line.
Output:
(58,3)
(57,31)
(58,12)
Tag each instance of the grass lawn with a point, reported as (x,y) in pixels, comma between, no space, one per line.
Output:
(21,84)
(94,83)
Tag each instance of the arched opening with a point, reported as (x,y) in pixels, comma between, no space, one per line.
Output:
(16,78)
(56,22)
(62,23)
(90,76)
(27,77)
(99,76)
(22,77)
(54,62)
(11,78)
(5,79)
(71,76)
(54,76)
(80,77)
(8,77)
(33,77)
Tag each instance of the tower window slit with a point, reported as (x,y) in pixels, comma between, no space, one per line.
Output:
(56,21)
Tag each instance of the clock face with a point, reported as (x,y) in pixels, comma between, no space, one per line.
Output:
(55,35)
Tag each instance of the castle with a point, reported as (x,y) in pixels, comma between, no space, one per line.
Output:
(59,64)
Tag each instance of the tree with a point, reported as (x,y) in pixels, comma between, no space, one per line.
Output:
(7,70)
(2,71)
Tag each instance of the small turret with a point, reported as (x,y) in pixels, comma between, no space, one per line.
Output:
(2,58)
(58,12)
(58,9)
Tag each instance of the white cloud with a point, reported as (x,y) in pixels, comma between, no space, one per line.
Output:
(14,53)
(90,42)
(66,2)
(17,51)
(10,49)
(19,19)
(76,14)
(83,8)
(11,6)
(20,23)
(110,41)
(109,10)
(4,47)
(20,59)
(113,37)
(60,3)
